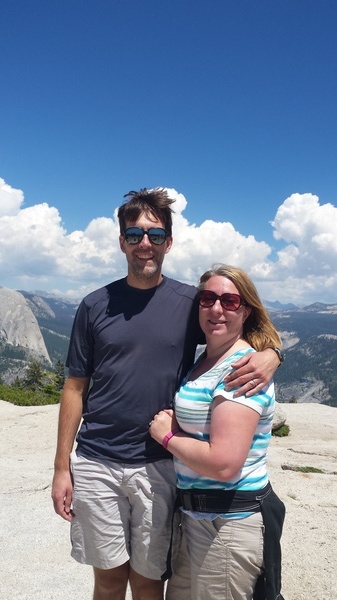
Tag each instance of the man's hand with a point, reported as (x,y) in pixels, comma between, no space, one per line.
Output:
(62,493)
(252,372)
(74,393)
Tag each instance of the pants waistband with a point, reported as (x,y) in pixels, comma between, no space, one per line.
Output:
(222,501)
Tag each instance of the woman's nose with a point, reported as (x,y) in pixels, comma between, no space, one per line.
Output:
(217,305)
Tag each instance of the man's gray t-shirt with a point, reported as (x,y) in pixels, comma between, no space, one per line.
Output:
(135,345)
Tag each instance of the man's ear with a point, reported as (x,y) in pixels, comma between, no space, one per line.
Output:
(122,243)
(169,242)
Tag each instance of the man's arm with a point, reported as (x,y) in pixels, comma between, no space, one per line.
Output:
(252,372)
(74,391)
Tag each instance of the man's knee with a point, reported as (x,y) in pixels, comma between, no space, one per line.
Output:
(144,588)
(111,583)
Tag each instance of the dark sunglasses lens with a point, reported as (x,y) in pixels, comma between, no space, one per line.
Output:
(207,299)
(157,235)
(230,301)
(133,235)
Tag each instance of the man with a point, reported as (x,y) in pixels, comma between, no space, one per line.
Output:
(132,341)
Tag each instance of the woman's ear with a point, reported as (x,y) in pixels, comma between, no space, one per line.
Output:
(248,310)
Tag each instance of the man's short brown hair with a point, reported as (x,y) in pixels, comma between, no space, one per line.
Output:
(152,202)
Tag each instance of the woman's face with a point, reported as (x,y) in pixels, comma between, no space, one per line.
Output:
(216,321)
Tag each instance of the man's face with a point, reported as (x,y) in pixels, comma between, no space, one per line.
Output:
(145,259)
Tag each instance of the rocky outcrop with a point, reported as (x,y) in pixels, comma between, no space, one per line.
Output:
(18,325)
(280,417)
(27,449)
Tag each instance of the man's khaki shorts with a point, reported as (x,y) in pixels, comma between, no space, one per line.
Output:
(122,512)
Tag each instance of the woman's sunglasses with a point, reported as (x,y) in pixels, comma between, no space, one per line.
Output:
(207,299)
(134,235)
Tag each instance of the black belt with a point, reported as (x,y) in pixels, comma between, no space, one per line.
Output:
(215,501)
(222,501)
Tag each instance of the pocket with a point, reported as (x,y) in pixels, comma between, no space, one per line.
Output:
(73,461)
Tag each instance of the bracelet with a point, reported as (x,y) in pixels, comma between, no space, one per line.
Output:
(168,436)
(278,352)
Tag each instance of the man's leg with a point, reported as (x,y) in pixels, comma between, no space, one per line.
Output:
(144,588)
(152,493)
(111,583)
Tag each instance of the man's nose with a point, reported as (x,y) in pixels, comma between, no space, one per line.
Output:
(145,241)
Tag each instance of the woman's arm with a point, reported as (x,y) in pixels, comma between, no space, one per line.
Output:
(231,433)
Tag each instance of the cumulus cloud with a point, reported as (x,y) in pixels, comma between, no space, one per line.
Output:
(37,252)
(307,262)
(195,248)
(10,199)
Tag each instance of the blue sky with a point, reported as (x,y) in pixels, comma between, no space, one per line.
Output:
(230,103)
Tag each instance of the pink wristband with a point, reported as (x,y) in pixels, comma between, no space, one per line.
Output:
(168,436)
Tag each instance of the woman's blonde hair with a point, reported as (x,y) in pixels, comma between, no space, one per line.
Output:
(258,329)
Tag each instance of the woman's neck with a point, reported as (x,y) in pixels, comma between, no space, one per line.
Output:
(215,353)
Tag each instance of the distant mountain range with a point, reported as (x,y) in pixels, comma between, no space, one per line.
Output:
(309,335)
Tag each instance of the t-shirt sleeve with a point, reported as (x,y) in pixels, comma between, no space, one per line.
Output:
(80,354)
(258,402)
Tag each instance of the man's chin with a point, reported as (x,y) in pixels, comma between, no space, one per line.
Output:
(147,272)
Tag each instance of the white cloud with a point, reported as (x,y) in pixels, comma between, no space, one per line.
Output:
(301,218)
(36,251)
(307,263)
(195,249)
(10,199)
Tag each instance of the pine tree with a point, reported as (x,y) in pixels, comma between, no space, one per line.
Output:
(34,375)
(59,375)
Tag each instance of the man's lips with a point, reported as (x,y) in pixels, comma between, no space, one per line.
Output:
(144,256)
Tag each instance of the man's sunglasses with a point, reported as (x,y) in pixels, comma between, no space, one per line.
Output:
(134,235)
(207,299)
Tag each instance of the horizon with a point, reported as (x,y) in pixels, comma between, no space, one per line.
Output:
(267,303)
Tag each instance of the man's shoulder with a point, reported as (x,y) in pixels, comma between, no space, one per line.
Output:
(183,289)
(102,294)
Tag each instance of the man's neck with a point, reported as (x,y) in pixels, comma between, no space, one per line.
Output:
(143,283)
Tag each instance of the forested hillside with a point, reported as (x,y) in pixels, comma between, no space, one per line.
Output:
(309,335)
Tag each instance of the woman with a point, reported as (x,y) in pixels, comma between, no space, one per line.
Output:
(231,519)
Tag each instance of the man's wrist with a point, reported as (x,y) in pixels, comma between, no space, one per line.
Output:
(278,351)
(168,436)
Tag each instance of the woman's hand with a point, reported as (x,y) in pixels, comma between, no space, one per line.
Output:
(162,424)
